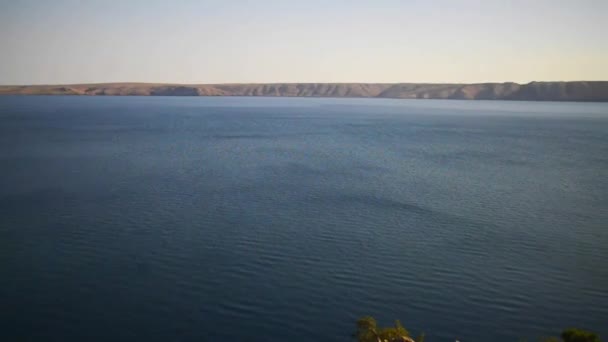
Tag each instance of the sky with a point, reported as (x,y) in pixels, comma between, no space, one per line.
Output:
(238,41)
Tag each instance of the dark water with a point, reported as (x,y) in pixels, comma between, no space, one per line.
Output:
(260,219)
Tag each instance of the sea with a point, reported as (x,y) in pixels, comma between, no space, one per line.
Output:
(287,219)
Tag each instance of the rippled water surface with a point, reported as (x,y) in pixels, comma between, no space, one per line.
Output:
(278,219)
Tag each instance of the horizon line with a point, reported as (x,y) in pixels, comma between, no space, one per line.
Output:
(274,82)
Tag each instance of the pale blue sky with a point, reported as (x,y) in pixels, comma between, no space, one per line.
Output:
(223,41)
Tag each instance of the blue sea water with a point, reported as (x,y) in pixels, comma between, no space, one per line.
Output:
(286,219)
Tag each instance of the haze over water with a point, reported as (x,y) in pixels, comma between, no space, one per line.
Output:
(286,219)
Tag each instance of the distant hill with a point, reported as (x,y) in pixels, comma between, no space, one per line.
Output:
(534,91)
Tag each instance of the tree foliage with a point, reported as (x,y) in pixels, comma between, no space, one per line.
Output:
(579,335)
(368,331)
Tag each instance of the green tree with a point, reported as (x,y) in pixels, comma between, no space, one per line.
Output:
(579,335)
(367,330)
(393,333)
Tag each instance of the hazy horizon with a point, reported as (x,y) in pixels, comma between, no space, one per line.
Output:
(264,83)
(205,42)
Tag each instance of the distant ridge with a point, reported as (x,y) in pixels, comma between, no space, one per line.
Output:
(533,91)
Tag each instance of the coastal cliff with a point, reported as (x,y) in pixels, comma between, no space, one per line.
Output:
(534,91)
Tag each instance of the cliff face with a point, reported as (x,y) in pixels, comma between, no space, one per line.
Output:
(534,91)
(562,91)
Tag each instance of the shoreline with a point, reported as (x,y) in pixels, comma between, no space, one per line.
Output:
(576,91)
